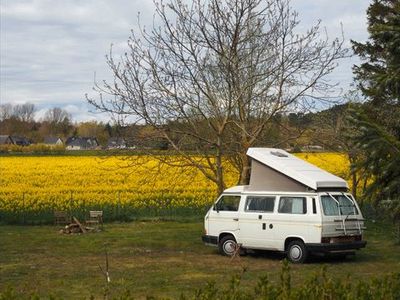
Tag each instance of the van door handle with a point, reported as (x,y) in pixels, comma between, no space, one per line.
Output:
(235,219)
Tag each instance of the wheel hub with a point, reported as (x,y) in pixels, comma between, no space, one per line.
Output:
(295,252)
(229,247)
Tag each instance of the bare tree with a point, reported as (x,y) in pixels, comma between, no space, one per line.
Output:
(24,112)
(213,74)
(6,111)
(57,115)
(57,121)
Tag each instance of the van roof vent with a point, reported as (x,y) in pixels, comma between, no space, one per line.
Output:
(279,154)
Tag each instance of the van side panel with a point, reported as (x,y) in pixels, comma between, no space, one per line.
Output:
(306,227)
(315,225)
(270,231)
(254,230)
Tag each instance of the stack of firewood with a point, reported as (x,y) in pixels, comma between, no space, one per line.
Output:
(77,227)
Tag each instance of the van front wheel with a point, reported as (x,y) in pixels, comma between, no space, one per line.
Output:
(227,245)
(296,252)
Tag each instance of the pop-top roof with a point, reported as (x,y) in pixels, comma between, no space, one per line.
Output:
(296,168)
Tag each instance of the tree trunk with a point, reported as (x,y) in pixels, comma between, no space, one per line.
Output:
(220,177)
(244,178)
(354,184)
(219,168)
(353,174)
(398,232)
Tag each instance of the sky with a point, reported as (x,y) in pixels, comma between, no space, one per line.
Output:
(51,50)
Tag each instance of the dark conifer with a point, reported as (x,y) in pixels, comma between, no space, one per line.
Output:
(378,126)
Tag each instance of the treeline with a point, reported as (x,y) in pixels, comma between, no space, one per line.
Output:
(289,131)
(19,120)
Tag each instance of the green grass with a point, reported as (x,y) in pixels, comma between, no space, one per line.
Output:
(158,258)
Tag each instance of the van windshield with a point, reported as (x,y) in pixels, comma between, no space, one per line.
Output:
(331,207)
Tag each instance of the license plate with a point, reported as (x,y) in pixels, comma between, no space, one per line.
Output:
(342,239)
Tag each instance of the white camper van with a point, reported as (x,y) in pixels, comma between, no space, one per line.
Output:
(289,206)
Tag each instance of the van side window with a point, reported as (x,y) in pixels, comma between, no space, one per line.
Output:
(314,206)
(292,205)
(260,203)
(228,203)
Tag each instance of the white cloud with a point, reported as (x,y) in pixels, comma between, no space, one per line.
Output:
(39,114)
(83,113)
(79,112)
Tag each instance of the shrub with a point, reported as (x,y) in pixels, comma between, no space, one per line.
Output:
(34,148)
(319,286)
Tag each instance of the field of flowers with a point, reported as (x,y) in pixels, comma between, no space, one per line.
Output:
(31,188)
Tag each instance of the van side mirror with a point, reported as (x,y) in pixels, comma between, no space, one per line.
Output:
(215,207)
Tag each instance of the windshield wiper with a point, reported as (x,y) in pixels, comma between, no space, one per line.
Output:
(352,202)
(340,213)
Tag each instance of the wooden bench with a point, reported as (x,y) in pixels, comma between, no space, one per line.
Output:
(95,218)
(61,218)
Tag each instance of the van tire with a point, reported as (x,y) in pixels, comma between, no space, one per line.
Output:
(297,252)
(227,245)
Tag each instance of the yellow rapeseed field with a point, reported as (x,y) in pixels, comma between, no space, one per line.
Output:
(44,184)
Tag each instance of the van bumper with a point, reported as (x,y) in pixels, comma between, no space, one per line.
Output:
(335,247)
(210,240)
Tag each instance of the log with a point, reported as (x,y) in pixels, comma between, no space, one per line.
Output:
(83,229)
(77,227)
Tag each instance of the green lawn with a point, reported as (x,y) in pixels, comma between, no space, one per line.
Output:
(157,258)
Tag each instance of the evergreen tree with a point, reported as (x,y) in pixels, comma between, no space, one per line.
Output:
(379,75)
(378,126)
(381,159)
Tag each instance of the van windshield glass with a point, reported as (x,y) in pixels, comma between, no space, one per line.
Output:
(331,208)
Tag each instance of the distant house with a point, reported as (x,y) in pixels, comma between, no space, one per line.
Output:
(81,143)
(20,140)
(53,141)
(116,143)
(5,140)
